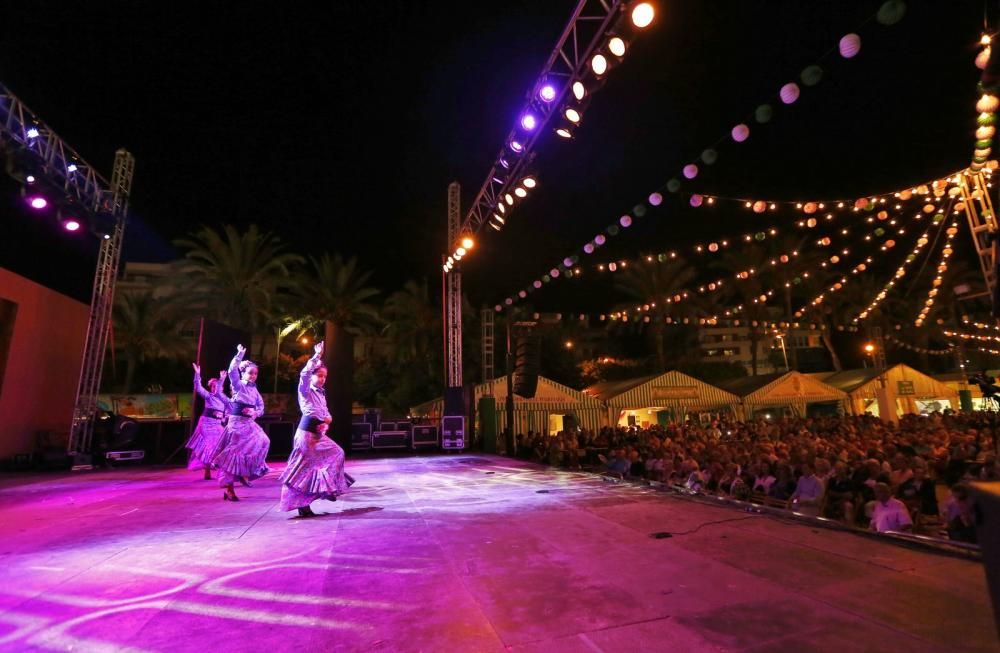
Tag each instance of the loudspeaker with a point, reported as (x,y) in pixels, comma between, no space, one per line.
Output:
(454,401)
(361,436)
(488,423)
(424,437)
(526,365)
(405,426)
(453,432)
(390,440)
(373,416)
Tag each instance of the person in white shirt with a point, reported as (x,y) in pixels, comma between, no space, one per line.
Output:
(890,514)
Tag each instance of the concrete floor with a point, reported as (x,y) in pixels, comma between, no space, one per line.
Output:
(453,553)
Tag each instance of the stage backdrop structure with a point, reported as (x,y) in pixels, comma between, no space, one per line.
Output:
(39,379)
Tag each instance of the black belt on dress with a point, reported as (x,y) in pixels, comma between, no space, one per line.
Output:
(240,406)
(310,423)
(214,414)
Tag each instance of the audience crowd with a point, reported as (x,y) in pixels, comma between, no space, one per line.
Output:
(869,474)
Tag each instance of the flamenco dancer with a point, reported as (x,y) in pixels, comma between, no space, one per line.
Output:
(316,466)
(243,448)
(205,439)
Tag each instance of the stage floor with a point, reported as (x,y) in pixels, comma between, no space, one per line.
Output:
(453,553)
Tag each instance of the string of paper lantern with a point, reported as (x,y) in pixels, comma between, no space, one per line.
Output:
(979,325)
(949,351)
(987,105)
(889,13)
(972,336)
(946,252)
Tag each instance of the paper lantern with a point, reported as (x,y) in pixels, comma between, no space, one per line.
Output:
(811,223)
(983,58)
(625,221)
(938,192)
(960,206)
(508,301)
(673,185)
(982,153)
(612,230)
(835,259)
(811,75)
(522,294)
(709,156)
(985,119)
(882,215)
(612,266)
(713,247)
(690,171)
(599,239)
(922,189)
(890,244)
(879,232)
(784,258)
(589,248)
(939,218)
(891,12)
(639,211)
(928,208)
(987,103)
(850,46)
(760,235)
(655,199)
(905,194)
(861,203)
(567,262)
(983,133)
(763,113)
(537,284)
(977,194)
(696,200)
(789,93)
(759,206)
(740,133)
(810,207)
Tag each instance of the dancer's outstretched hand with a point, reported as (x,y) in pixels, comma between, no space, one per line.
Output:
(318,348)
(197,368)
(222,374)
(240,349)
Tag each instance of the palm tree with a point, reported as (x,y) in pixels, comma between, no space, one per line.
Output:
(237,277)
(338,296)
(652,283)
(146,327)
(413,325)
(745,293)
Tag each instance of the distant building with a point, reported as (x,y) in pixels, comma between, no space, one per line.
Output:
(732,344)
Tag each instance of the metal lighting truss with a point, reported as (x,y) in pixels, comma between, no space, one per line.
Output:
(569,61)
(453,298)
(63,167)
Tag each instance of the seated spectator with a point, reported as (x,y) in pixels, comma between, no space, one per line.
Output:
(808,492)
(840,494)
(784,484)
(889,514)
(617,463)
(919,493)
(637,468)
(762,478)
(959,515)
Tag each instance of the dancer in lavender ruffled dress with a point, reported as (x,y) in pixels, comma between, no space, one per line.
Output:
(316,467)
(205,439)
(243,449)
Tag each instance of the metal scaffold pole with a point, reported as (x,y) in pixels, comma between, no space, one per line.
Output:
(101,305)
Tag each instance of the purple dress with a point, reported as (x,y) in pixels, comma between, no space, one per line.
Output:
(242,450)
(205,439)
(316,467)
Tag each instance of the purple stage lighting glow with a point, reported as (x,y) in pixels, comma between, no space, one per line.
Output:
(71,224)
(37,202)
(32,133)
(71,167)
(547,93)
(528,122)
(30,179)
(516,146)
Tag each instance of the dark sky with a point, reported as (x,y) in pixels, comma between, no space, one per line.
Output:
(339,125)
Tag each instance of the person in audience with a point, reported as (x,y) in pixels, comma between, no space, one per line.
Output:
(808,493)
(960,514)
(889,513)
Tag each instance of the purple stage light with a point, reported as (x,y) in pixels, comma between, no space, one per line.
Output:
(528,122)
(37,202)
(504,163)
(547,93)
(71,224)
(30,179)
(71,167)
(516,146)
(31,133)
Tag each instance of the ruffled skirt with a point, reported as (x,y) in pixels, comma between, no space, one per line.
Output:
(242,451)
(204,442)
(315,471)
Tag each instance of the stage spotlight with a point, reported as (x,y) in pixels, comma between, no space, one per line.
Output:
(71,167)
(642,15)
(31,133)
(572,115)
(520,192)
(516,146)
(495,226)
(509,199)
(564,133)
(30,179)
(498,218)
(501,207)
(599,64)
(617,46)
(37,202)
(529,182)
(504,163)
(579,90)
(468,243)
(528,122)
(547,93)
(71,224)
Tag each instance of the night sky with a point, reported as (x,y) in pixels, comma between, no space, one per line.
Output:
(339,125)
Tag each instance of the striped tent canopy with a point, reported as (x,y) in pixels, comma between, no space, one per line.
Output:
(551,398)
(670,389)
(792,389)
(865,383)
